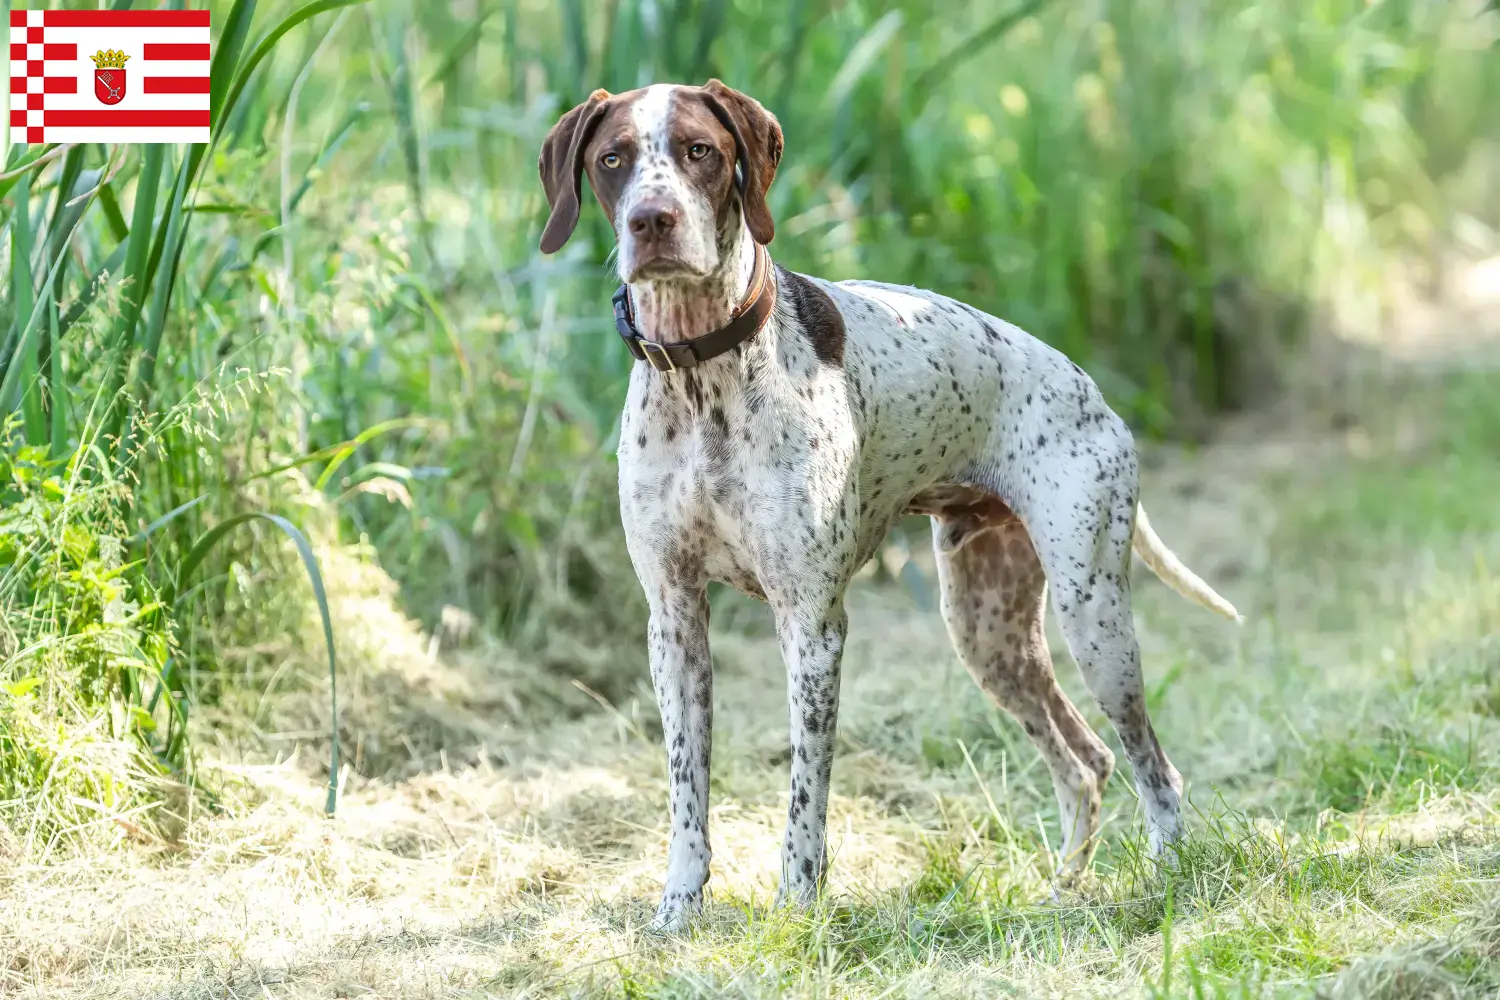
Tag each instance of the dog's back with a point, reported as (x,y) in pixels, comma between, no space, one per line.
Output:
(955,395)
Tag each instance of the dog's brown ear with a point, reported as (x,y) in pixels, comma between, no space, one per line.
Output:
(757,140)
(561,167)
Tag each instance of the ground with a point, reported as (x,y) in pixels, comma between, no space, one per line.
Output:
(1341,749)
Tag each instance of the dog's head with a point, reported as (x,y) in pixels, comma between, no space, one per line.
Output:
(662,162)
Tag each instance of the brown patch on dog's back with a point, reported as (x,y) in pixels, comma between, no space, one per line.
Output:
(820,318)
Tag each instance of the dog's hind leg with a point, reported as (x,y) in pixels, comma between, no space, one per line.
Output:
(1080,510)
(994,601)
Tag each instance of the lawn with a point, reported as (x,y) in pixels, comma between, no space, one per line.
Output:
(1341,748)
(322,665)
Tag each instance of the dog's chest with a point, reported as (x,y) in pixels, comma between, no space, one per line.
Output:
(720,477)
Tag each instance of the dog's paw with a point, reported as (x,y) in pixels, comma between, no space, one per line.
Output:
(1163,837)
(1072,884)
(799,895)
(668,922)
(675,914)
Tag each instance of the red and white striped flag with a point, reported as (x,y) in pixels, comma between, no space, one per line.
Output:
(109,76)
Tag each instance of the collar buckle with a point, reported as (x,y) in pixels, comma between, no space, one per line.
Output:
(652,351)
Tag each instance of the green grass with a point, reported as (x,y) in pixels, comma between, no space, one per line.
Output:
(1342,807)
(356,250)
(83,649)
(330,331)
(1363,862)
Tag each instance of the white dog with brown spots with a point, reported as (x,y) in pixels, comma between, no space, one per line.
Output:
(780,425)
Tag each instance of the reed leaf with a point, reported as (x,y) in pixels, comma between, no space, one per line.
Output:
(200,551)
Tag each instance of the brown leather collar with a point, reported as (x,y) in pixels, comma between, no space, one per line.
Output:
(746,323)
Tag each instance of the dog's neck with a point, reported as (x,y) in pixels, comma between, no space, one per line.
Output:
(670,312)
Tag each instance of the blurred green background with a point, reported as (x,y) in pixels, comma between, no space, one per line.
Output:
(336,314)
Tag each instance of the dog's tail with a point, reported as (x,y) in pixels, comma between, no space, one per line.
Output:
(1165,564)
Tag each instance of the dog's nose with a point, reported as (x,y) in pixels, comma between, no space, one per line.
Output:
(652,220)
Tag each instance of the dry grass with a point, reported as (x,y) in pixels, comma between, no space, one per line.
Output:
(502,835)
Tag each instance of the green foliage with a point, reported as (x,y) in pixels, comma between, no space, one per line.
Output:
(83,646)
(75,634)
(201,550)
(347,275)
(1393,768)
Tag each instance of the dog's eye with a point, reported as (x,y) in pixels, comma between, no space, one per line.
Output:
(697,151)
(610,160)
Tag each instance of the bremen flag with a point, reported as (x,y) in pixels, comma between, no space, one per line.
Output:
(109,76)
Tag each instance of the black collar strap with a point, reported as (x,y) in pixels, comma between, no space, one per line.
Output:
(746,323)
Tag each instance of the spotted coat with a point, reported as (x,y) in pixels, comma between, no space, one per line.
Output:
(779,469)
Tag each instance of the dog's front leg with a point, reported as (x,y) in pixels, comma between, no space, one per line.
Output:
(682,675)
(812,644)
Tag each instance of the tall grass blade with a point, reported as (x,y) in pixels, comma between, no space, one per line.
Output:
(133,277)
(166,519)
(200,551)
(71,182)
(227,56)
(22,297)
(26,163)
(66,213)
(110,203)
(862,56)
(460,49)
(161,292)
(970,47)
(11,383)
(712,20)
(345,451)
(243,73)
(57,386)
